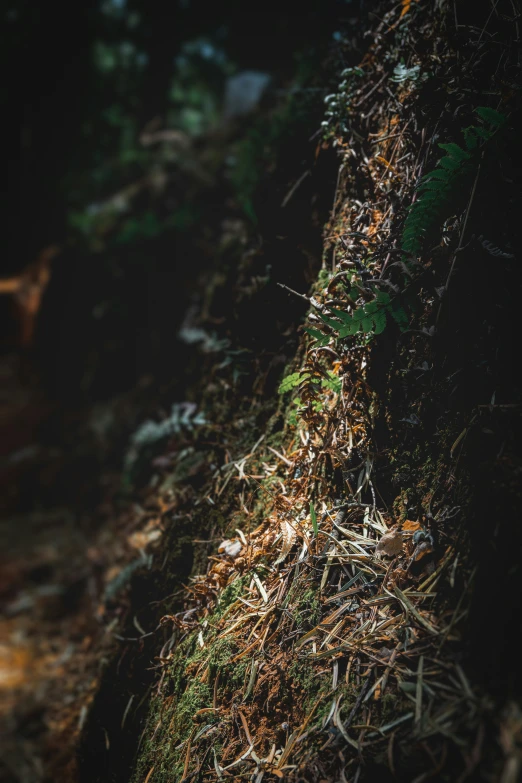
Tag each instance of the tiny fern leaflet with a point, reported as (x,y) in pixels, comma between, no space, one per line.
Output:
(291,381)
(331,382)
(370,318)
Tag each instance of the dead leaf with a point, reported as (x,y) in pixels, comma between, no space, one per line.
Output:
(142,539)
(406,5)
(390,544)
(289,536)
(408,526)
(230,548)
(27,290)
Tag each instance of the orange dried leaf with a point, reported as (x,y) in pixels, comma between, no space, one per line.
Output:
(423,549)
(406,5)
(409,526)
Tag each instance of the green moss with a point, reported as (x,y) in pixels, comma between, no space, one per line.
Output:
(197,696)
(307,609)
(228,596)
(276,439)
(389,706)
(349,696)
(303,601)
(231,678)
(190,694)
(323,278)
(305,685)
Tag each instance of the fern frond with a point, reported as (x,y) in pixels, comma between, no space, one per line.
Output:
(291,381)
(495,118)
(333,383)
(493,250)
(400,317)
(437,174)
(455,152)
(442,185)
(371,318)
(343,316)
(329,321)
(367,325)
(371,310)
(450,163)
(349,330)
(320,338)
(359,314)
(184,416)
(382,297)
(379,321)
(473,135)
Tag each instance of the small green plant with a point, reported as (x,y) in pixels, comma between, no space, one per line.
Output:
(292,381)
(297,379)
(338,103)
(333,383)
(300,381)
(402,74)
(313,517)
(184,418)
(441,188)
(370,318)
(438,192)
(294,412)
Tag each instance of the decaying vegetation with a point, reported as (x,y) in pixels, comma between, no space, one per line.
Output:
(326,639)
(327,586)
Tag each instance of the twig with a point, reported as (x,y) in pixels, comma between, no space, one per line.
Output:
(357,704)
(296,293)
(375,87)
(461,238)
(294,188)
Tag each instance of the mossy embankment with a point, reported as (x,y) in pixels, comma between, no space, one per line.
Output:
(328,638)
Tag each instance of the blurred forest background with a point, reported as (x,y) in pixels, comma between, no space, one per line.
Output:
(163,174)
(109,109)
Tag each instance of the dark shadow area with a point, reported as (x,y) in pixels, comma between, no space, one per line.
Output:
(165,173)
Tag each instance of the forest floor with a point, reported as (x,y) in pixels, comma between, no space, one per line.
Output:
(310,568)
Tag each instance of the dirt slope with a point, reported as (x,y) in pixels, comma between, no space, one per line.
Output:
(319,579)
